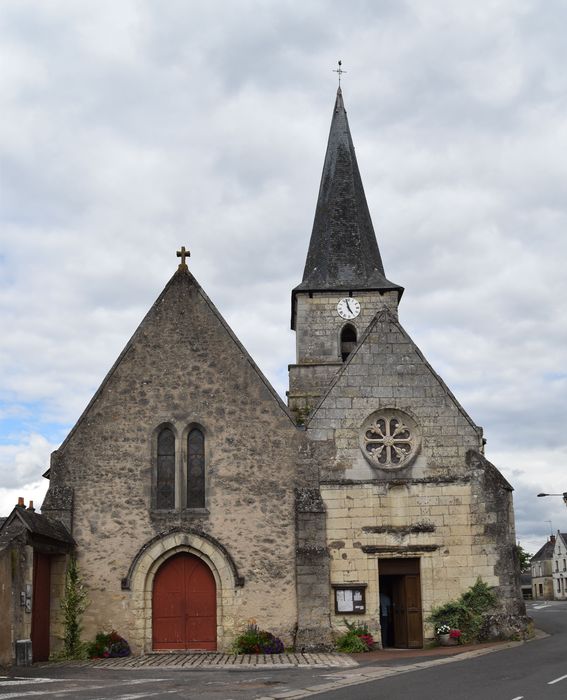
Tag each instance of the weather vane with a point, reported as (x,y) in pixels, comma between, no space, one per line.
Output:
(340,71)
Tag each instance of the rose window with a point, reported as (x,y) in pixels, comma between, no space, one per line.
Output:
(390,439)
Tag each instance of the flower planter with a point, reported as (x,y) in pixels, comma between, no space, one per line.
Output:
(445,640)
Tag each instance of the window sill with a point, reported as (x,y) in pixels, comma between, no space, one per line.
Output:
(179,513)
(195,511)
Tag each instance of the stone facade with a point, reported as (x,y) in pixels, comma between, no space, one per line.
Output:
(16,575)
(373,485)
(183,367)
(318,344)
(449,506)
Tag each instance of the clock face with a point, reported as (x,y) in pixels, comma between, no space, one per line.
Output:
(348,308)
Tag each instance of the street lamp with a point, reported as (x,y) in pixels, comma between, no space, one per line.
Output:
(563,495)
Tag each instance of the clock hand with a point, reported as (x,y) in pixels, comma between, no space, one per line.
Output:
(348,306)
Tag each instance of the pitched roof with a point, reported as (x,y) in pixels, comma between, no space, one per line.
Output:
(37,524)
(545,552)
(343,251)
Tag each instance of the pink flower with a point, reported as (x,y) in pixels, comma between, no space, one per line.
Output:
(455,634)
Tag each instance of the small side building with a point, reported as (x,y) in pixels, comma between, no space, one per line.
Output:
(33,552)
(542,567)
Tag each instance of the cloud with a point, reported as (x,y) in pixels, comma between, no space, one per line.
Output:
(22,463)
(130,129)
(34,491)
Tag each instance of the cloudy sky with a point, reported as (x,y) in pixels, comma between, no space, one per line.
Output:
(130,128)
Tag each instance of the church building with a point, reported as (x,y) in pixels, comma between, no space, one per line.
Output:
(195,499)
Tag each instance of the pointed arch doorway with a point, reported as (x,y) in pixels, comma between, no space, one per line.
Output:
(184,605)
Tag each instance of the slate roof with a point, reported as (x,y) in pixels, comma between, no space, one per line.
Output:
(546,552)
(343,252)
(38,524)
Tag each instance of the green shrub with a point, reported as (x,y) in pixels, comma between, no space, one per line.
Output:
(356,639)
(257,641)
(108,645)
(467,613)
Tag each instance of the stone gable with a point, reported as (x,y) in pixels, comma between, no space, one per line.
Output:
(388,371)
(184,367)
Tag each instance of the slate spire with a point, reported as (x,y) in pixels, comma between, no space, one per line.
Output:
(343,252)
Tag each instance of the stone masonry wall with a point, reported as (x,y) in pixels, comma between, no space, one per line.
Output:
(16,575)
(319,325)
(449,506)
(441,523)
(6,607)
(312,566)
(318,350)
(387,371)
(182,367)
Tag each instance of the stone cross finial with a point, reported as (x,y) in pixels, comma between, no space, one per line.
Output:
(183,254)
(340,71)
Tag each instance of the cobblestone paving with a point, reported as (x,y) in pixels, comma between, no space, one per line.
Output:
(210,661)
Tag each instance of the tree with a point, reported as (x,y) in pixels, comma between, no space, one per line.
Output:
(524,558)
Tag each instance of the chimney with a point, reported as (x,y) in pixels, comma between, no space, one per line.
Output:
(21,503)
(30,507)
(552,539)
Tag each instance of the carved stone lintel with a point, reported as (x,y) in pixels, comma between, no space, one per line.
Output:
(408,549)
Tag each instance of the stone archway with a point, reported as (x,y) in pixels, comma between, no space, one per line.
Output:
(142,573)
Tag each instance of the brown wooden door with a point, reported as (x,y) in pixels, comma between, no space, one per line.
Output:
(184,605)
(400,578)
(40,606)
(399,610)
(413,607)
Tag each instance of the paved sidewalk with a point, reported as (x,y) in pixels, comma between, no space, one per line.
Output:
(391,657)
(359,668)
(210,661)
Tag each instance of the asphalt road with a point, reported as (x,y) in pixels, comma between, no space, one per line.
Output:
(102,684)
(536,670)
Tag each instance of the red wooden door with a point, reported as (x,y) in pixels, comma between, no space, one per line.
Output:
(184,610)
(40,606)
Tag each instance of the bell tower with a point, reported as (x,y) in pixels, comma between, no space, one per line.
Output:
(344,283)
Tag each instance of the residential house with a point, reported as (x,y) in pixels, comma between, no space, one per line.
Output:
(542,568)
